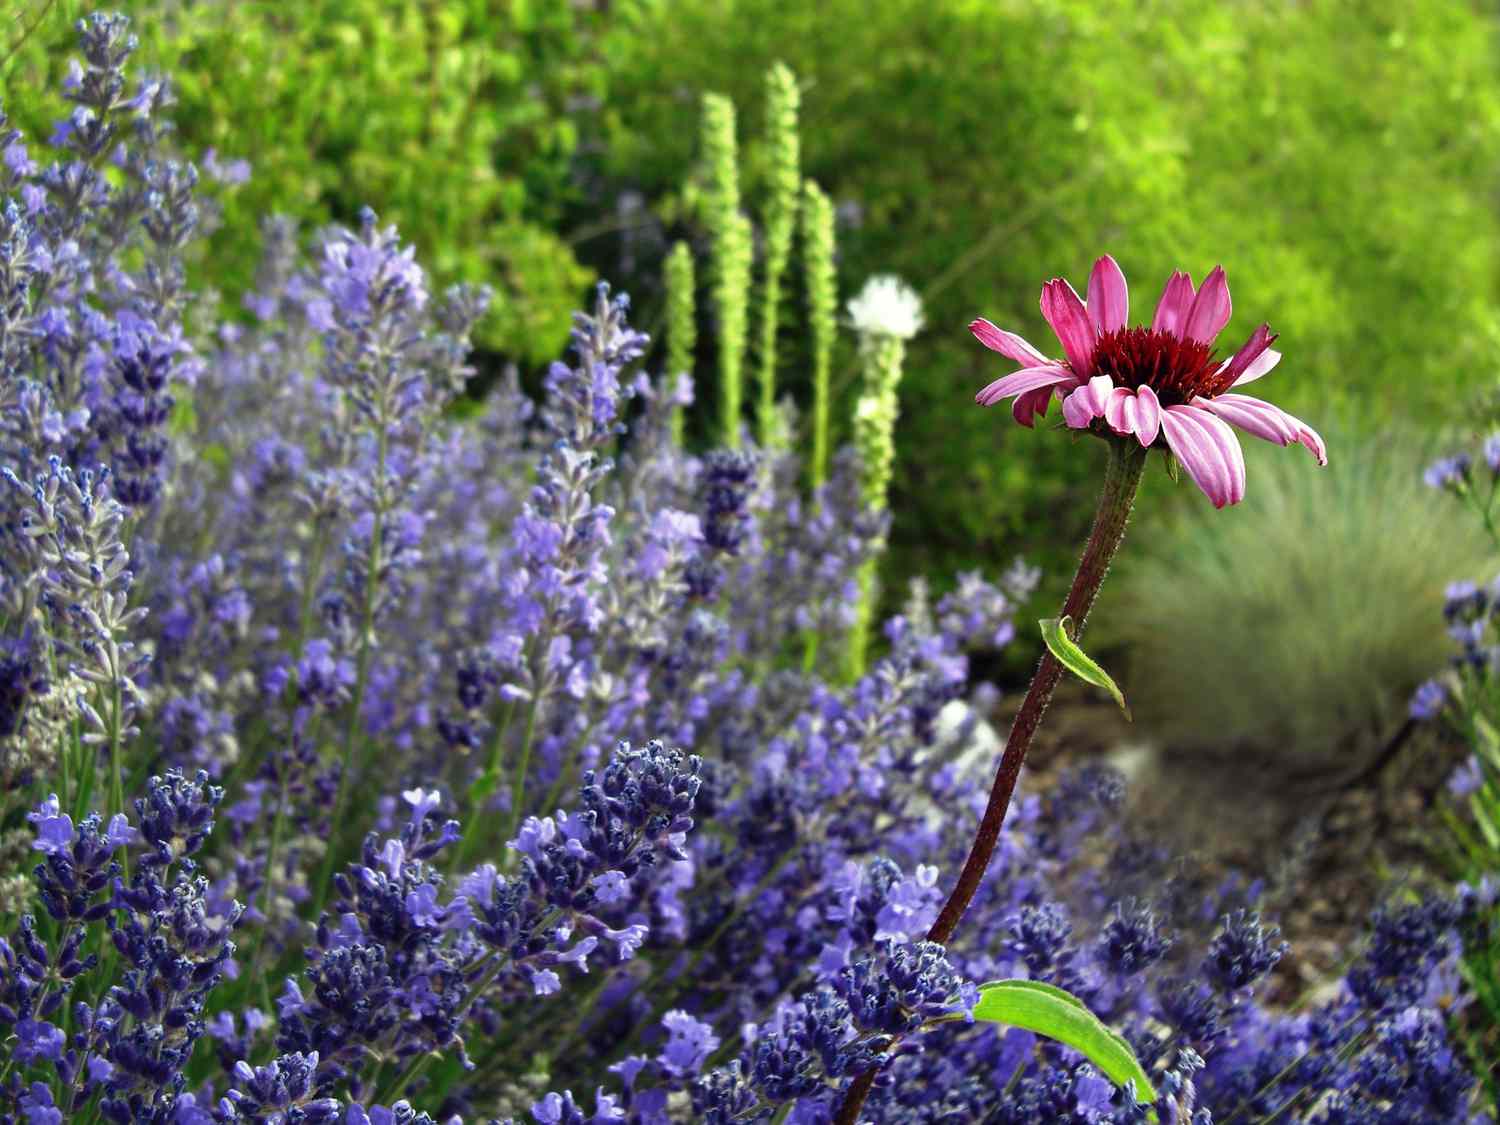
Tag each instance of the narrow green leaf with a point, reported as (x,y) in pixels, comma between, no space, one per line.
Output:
(1486,823)
(483,787)
(1058,633)
(1489,740)
(1060,1015)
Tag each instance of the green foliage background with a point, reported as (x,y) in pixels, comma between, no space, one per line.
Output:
(1338,156)
(459,121)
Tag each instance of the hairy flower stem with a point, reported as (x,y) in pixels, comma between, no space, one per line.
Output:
(1127,461)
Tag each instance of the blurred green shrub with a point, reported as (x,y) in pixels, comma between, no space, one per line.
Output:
(457,120)
(1296,624)
(1340,159)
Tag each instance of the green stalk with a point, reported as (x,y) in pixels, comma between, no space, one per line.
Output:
(523,764)
(484,786)
(278,826)
(117,777)
(361,674)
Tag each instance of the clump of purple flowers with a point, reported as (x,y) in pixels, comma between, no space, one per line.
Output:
(1463,707)
(377,762)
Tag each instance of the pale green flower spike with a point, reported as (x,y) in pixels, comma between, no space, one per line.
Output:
(885,314)
(682,324)
(732,252)
(784,150)
(822,303)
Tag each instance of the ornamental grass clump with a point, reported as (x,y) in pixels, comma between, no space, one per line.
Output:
(1221,611)
(387,763)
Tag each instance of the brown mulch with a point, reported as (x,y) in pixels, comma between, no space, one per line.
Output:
(1330,848)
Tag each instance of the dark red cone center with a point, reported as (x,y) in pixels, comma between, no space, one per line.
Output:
(1177,370)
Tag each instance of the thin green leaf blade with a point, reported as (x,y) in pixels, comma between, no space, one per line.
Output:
(1057,1014)
(1057,632)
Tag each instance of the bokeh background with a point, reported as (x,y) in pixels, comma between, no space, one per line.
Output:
(1338,157)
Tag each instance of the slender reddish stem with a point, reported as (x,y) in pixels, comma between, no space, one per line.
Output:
(1127,461)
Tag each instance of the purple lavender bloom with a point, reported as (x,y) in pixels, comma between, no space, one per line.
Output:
(1133,939)
(1449,473)
(689,1044)
(1243,952)
(1491,453)
(146,362)
(1463,601)
(38,1041)
(401,1113)
(54,828)
(37,1104)
(1467,779)
(1428,701)
(560,1109)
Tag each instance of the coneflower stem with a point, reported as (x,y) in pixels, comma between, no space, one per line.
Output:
(1127,460)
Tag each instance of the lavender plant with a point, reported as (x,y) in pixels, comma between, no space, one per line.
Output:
(369,762)
(1464,703)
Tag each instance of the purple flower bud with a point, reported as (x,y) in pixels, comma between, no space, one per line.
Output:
(1428,701)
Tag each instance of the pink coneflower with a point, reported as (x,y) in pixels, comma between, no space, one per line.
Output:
(1163,385)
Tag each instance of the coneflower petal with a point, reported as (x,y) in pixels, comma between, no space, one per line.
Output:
(1176,300)
(1007,344)
(1267,421)
(1070,320)
(1109,296)
(1135,412)
(1251,350)
(1259,366)
(1029,405)
(1208,451)
(1027,379)
(1087,402)
(1160,385)
(1210,311)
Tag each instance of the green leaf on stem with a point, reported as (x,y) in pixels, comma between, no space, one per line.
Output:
(1060,1015)
(1058,633)
(1174,470)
